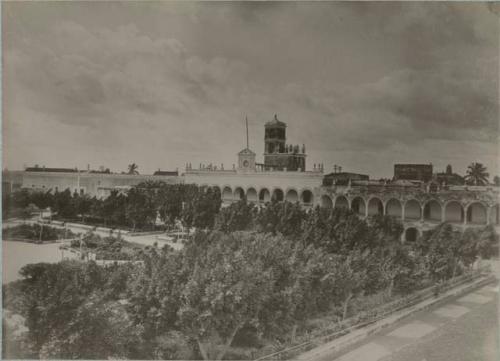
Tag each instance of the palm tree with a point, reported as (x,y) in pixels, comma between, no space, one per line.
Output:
(476,175)
(132,168)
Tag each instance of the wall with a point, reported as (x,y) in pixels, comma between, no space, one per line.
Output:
(93,184)
(270,180)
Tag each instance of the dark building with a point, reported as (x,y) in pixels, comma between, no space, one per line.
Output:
(278,155)
(419,172)
(449,178)
(342,178)
(51,170)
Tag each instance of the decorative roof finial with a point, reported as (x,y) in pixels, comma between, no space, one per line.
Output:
(276,117)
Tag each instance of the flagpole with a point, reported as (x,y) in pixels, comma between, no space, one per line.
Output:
(246,122)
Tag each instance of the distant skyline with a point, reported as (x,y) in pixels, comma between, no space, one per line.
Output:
(161,84)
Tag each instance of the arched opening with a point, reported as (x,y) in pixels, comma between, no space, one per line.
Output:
(278,195)
(411,234)
(306,197)
(341,202)
(264,195)
(412,210)
(227,194)
(393,208)
(476,213)
(432,211)
(494,214)
(252,195)
(239,193)
(358,206)
(292,196)
(453,212)
(375,207)
(216,189)
(326,202)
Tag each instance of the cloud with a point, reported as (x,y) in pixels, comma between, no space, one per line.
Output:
(178,79)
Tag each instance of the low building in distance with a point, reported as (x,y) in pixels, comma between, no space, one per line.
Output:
(413,172)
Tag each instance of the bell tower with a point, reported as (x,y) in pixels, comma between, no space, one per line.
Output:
(278,155)
(275,137)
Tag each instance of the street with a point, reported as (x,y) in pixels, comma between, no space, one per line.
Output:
(463,329)
(146,240)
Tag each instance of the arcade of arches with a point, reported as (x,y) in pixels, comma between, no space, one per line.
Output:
(475,213)
(433,211)
(264,195)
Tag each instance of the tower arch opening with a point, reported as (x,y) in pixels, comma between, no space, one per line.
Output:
(394,208)
(306,197)
(412,210)
(358,206)
(292,196)
(326,202)
(476,213)
(252,195)
(375,207)
(239,193)
(278,195)
(227,194)
(341,202)
(411,234)
(264,195)
(432,211)
(495,215)
(454,212)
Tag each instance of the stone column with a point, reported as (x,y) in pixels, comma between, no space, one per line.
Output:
(488,215)
(403,212)
(465,215)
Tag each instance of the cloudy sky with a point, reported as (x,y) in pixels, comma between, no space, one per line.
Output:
(363,85)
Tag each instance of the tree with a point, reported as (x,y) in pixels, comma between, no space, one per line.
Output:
(336,231)
(52,293)
(132,169)
(237,217)
(169,200)
(83,205)
(154,292)
(281,217)
(64,204)
(316,226)
(442,248)
(226,290)
(476,175)
(386,230)
(140,209)
(347,278)
(201,206)
(97,330)
(398,268)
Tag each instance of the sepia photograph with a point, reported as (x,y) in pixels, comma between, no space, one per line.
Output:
(250,180)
